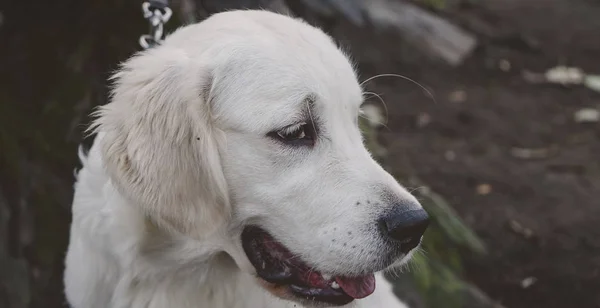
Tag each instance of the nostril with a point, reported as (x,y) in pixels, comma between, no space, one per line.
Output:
(405,227)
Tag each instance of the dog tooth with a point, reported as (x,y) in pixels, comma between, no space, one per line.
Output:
(335,285)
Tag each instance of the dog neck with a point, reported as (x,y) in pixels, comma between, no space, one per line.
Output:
(172,263)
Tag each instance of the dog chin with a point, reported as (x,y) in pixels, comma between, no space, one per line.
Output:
(287,276)
(283,292)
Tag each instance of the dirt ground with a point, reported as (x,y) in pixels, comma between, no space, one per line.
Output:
(540,216)
(55,57)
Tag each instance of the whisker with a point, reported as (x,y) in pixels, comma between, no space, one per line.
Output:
(405,78)
(411,190)
(368,119)
(387,115)
(312,121)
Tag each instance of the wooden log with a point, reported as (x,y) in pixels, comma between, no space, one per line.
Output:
(423,30)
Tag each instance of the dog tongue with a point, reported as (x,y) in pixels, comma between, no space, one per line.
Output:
(357,287)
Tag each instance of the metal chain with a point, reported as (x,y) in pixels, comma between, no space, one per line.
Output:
(157,13)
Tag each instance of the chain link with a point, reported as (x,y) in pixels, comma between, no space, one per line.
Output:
(157,17)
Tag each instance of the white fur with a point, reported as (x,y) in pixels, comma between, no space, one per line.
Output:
(182,163)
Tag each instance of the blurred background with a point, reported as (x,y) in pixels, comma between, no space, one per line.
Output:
(497,133)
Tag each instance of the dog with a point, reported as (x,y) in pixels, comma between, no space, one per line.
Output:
(229,171)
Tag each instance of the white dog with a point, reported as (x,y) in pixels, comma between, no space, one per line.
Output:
(229,171)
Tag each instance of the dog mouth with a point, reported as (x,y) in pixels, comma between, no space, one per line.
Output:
(276,265)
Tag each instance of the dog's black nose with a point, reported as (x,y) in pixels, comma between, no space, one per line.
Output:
(405,227)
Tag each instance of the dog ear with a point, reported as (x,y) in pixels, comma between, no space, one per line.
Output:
(160,147)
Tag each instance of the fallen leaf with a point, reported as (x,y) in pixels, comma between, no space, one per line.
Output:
(533,77)
(504,65)
(565,75)
(484,189)
(516,227)
(528,282)
(524,153)
(592,82)
(587,115)
(458,96)
(423,119)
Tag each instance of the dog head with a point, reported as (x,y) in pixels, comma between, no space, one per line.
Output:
(246,125)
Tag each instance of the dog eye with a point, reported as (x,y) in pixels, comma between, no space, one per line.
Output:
(297,134)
